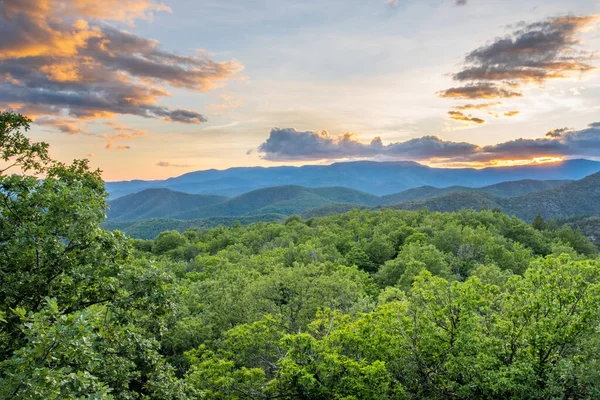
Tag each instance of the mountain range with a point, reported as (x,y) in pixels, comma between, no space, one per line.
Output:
(149,211)
(524,199)
(378,178)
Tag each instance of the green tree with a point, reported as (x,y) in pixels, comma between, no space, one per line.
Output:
(539,223)
(78,317)
(167,241)
(357,256)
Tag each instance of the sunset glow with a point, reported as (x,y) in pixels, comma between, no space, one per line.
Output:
(155,90)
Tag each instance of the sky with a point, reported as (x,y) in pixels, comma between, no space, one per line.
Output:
(149,90)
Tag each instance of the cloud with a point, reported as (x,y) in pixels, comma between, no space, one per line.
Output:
(168,164)
(481,106)
(61,58)
(118,147)
(69,126)
(292,145)
(533,53)
(512,113)
(556,133)
(557,143)
(459,116)
(479,91)
(229,102)
(120,132)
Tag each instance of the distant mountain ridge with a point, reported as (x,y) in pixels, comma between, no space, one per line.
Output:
(291,199)
(551,199)
(378,178)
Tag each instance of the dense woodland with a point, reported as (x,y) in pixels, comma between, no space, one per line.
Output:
(369,304)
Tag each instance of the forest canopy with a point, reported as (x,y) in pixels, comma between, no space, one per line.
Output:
(384,304)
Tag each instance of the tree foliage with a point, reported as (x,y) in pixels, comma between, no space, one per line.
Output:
(362,305)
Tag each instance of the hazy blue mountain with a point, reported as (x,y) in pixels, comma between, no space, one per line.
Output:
(378,178)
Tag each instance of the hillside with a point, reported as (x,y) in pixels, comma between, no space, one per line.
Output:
(453,202)
(503,189)
(279,200)
(522,187)
(292,199)
(378,178)
(154,203)
(329,209)
(575,198)
(589,227)
(285,200)
(150,228)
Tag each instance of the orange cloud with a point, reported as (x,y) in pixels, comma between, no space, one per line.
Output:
(458,116)
(512,113)
(59,59)
(479,91)
(229,102)
(69,126)
(477,106)
(120,132)
(61,73)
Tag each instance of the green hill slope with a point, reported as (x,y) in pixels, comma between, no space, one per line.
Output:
(504,189)
(552,199)
(150,228)
(575,198)
(346,195)
(329,209)
(284,200)
(153,203)
(522,187)
(589,227)
(453,202)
